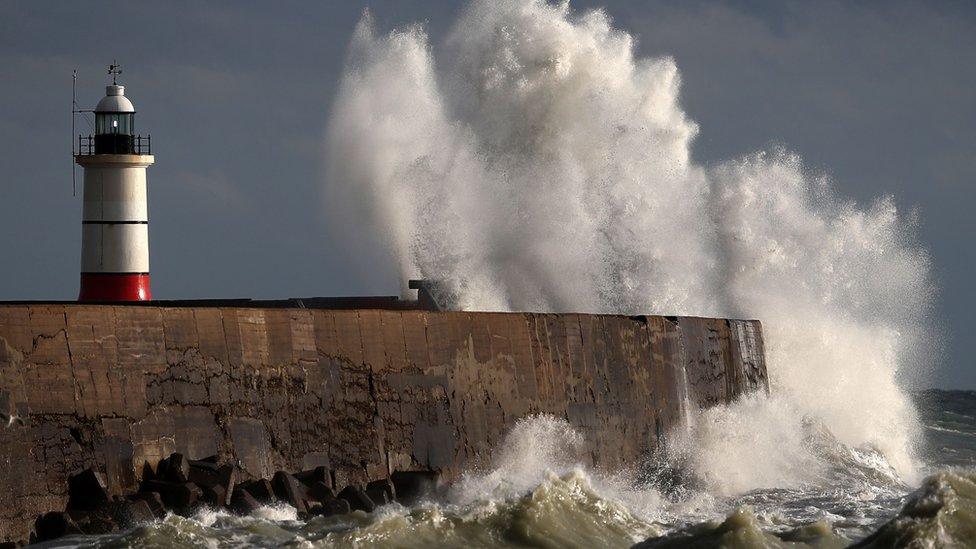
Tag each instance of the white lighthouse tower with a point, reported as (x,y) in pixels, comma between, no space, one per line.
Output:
(115,220)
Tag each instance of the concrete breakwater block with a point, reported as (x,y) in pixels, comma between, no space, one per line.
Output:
(331,506)
(318,475)
(182,486)
(357,498)
(54,525)
(381,491)
(288,489)
(321,491)
(87,491)
(134,511)
(243,503)
(259,489)
(412,486)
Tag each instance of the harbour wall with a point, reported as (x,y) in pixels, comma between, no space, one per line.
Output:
(362,392)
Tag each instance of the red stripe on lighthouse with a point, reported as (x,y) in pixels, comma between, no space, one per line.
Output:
(114,287)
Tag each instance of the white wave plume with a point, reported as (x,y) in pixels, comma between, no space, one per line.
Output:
(536,163)
(543,450)
(535,447)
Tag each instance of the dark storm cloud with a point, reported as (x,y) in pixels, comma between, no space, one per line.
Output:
(236,95)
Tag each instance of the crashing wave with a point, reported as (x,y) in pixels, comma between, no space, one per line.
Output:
(533,162)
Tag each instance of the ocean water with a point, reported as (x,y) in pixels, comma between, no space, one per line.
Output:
(535,494)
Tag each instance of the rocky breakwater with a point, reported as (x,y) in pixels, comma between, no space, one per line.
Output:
(112,392)
(182,486)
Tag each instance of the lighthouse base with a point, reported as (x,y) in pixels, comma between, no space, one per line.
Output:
(115,287)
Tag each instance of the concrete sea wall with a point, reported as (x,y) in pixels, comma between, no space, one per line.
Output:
(363,392)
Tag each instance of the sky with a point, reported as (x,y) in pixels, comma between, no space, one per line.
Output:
(237,95)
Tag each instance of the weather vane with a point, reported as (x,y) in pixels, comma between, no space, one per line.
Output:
(114,69)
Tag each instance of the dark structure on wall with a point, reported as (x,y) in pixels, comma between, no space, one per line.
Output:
(363,392)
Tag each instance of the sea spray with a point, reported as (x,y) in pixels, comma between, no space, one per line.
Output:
(554,175)
(542,449)
(534,448)
(841,292)
(535,163)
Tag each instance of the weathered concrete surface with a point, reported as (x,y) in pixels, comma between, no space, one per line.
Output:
(363,392)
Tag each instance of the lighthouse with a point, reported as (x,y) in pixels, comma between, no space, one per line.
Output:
(115,218)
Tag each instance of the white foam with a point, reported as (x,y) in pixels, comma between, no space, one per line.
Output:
(279,512)
(543,450)
(536,447)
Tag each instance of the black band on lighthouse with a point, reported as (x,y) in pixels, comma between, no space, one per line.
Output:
(114,222)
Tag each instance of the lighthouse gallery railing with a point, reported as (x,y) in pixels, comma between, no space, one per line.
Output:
(114,144)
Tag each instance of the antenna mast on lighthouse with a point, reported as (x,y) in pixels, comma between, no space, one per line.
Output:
(115,70)
(115,219)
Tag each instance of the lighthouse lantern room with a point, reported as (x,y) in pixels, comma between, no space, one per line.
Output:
(115,218)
